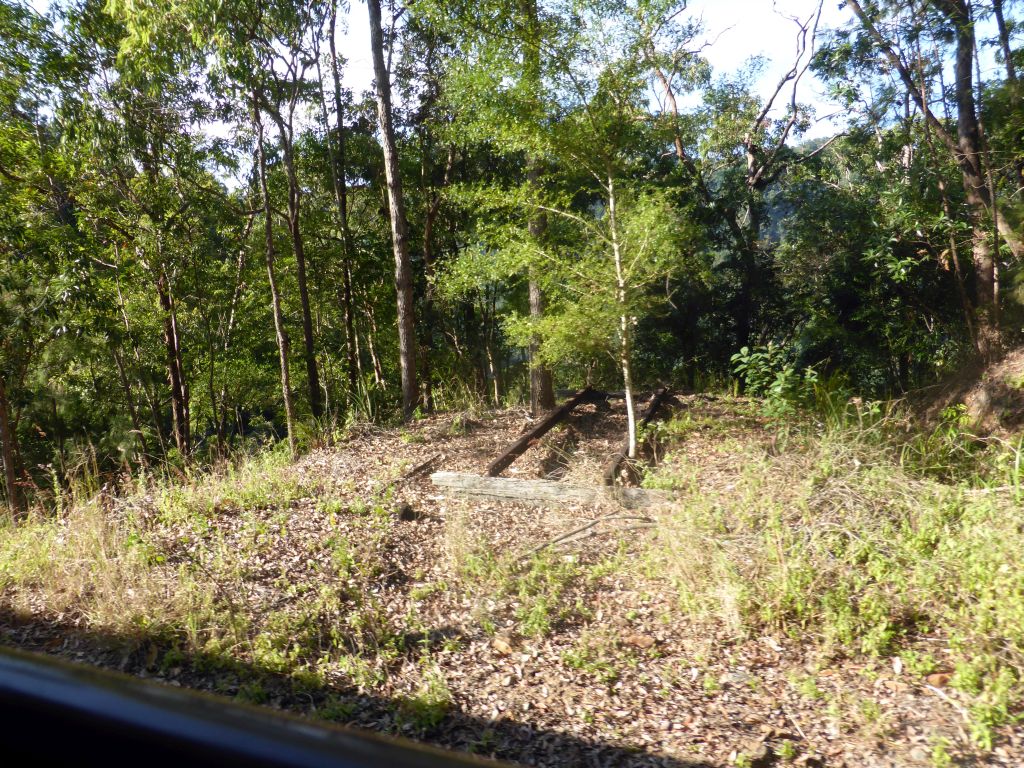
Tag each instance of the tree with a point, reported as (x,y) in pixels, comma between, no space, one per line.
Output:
(396,207)
(965,148)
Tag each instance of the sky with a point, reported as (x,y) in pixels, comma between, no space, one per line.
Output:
(741,29)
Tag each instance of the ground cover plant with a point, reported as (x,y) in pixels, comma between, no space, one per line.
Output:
(815,591)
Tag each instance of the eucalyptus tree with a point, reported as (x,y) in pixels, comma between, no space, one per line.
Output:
(337,155)
(280,39)
(396,208)
(895,31)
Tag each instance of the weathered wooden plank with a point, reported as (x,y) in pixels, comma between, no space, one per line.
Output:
(611,470)
(546,491)
(519,447)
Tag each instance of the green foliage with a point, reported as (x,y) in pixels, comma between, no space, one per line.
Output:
(841,541)
(428,706)
(766,373)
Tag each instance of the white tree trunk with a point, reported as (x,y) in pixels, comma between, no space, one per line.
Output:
(625,320)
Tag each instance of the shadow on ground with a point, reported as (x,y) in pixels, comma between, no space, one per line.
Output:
(153,657)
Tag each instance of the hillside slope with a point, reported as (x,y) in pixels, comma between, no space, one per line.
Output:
(340,588)
(992,394)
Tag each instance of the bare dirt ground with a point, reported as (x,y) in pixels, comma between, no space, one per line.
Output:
(992,394)
(610,673)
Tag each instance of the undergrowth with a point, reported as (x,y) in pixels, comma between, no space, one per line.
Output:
(869,537)
(854,530)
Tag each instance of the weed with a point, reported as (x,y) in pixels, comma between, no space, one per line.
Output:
(594,655)
(253,692)
(423,591)
(428,706)
(870,711)
(331,507)
(710,683)
(364,676)
(336,710)
(787,750)
(940,756)
(917,663)
(844,539)
(412,438)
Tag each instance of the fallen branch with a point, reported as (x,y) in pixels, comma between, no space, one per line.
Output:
(592,534)
(568,535)
(419,469)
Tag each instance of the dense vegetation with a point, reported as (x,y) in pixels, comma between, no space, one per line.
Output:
(215,258)
(202,229)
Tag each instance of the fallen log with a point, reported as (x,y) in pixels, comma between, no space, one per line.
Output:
(519,447)
(542,491)
(611,471)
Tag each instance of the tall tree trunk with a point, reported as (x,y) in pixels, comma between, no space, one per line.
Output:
(340,185)
(966,150)
(542,388)
(969,166)
(151,398)
(947,209)
(1004,41)
(488,311)
(9,453)
(172,345)
(428,318)
(396,204)
(972,171)
(275,294)
(298,248)
(378,371)
(221,408)
(129,401)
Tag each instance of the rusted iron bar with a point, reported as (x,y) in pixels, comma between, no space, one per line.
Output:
(611,471)
(519,447)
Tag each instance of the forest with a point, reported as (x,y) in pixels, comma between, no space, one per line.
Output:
(208,240)
(216,254)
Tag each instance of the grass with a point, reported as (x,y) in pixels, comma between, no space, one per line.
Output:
(853,531)
(428,705)
(173,564)
(96,564)
(868,538)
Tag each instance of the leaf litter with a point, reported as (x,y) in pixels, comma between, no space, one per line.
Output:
(582,658)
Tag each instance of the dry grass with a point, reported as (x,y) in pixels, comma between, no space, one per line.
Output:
(92,564)
(834,540)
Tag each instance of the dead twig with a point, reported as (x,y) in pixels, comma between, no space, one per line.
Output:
(569,535)
(945,697)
